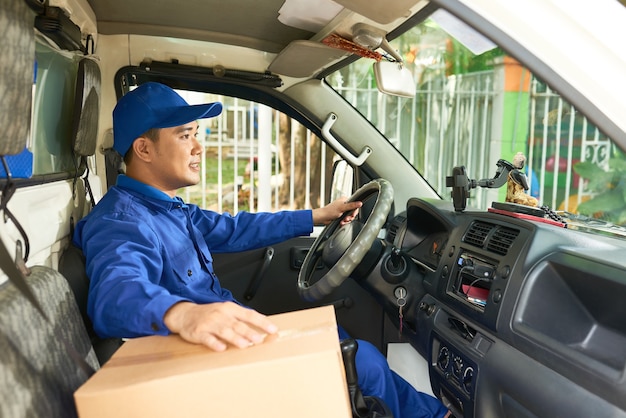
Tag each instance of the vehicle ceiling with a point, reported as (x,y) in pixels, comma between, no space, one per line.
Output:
(247,23)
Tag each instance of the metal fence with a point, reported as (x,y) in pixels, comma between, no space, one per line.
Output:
(258,159)
(458,120)
(559,138)
(448,123)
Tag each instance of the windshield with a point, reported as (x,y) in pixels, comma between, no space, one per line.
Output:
(475,105)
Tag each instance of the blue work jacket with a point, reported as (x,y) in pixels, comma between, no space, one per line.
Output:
(146,251)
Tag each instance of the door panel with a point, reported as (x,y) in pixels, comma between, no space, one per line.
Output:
(276,289)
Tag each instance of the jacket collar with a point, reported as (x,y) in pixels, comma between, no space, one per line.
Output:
(149,192)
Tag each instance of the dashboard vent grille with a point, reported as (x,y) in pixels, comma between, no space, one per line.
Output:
(393,228)
(477,233)
(495,238)
(502,240)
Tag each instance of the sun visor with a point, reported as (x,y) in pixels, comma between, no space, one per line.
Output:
(380,11)
(304,59)
(311,15)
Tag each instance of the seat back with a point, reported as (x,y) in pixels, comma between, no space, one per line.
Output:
(72,267)
(38,375)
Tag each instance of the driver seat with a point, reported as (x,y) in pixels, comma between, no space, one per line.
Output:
(72,267)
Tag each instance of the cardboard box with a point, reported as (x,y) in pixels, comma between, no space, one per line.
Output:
(297,373)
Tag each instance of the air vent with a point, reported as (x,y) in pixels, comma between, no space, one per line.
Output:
(397,222)
(495,238)
(501,240)
(477,233)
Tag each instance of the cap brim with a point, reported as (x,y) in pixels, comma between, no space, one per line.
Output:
(177,116)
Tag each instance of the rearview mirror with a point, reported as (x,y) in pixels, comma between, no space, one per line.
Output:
(394,78)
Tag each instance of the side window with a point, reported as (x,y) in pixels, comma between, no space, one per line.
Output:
(53,107)
(258,159)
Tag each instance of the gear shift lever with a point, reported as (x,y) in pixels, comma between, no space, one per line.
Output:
(362,406)
(348,352)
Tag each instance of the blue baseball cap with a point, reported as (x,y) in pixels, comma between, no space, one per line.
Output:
(153,105)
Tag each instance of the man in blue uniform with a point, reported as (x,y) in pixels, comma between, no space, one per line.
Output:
(148,253)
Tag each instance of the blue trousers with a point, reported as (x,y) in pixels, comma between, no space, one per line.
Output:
(377,379)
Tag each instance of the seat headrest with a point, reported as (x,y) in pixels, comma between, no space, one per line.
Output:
(86,108)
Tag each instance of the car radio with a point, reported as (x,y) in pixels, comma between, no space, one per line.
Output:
(471,280)
(476,285)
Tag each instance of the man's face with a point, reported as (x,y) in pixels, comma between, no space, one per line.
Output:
(176,158)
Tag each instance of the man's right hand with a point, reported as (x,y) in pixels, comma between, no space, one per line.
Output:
(218,324)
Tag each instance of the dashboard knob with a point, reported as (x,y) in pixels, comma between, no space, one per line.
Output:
(457,366)
(468,379)
(443,359)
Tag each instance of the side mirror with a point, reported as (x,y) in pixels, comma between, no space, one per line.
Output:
(342,180)
(394,78)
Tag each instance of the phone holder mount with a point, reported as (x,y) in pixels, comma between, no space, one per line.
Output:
(461,184)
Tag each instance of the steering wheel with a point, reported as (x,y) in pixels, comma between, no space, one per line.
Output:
(334,236)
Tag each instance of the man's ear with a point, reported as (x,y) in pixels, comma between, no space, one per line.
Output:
(142,147)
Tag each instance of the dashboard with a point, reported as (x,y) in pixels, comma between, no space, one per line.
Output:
(517,317)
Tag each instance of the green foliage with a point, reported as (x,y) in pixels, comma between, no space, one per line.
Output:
(609,188)
(460,60)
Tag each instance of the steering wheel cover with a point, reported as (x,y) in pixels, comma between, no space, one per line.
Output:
(355,252)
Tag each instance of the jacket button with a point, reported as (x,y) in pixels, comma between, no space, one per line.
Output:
(154,326)
(189,273)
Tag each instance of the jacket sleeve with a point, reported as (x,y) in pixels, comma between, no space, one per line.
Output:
(248,231)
